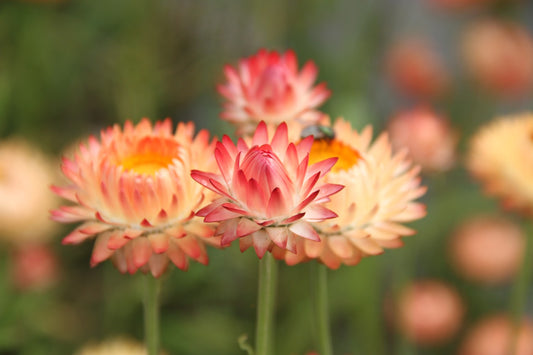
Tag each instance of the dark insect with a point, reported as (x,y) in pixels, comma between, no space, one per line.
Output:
(319,132)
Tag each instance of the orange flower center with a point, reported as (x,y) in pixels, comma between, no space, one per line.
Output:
(328,148)
(146,163)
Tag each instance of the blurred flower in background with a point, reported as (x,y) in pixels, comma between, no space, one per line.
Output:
(25,199)
(416,69)
(380,189)
(488,249)
(34,267)
(501,156)
(117,346)
(493,336)
(463,4)
(269,192)
(499,56)
(429,137)
(134,193)
(268,87)
(429,312)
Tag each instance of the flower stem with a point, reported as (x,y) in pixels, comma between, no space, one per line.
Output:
(519,293)
(152,287)
(319,285)
(266,295)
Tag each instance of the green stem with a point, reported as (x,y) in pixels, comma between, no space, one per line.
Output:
(319,285)
(519,293)
(266,295)
(152,288)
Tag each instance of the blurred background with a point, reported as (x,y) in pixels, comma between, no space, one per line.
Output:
(429,71)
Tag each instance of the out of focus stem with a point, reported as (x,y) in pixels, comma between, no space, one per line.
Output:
(319,285)
(266,299)
(152,287)
(520,292)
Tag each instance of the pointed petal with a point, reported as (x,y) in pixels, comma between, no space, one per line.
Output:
(304,230)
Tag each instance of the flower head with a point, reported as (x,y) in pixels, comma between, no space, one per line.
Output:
(116,346)
(133,192)
(270,193)
(416,69)
(380,189)
(488,249)
(428,137)
(268,87)
(25,174)
(501,156)
(493,335)
(499,56)
(429,312)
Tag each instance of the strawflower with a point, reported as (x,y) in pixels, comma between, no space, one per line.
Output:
(132,191)
(116,346)
(488,249)
(268,87)
(501,156)
(380,189)
(269,192)
(25,174)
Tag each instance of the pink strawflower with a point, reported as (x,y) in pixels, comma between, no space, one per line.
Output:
(133,192)
(268,87)
(270,193)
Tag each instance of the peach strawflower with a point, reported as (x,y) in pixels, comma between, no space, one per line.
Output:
(493,336)
(488,249)
(381,187)
(33,267)
(133,192)
(501,156)
(270,194)
(429,312)
(428,136)
(416,69)
(117,346)
(25,175)
(499,55)
(268,87)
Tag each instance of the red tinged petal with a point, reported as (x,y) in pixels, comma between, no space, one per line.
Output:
(159,242)
(318,213)
(177,256)
(141,251)
(261,243)
(229,229)
(280,139)
(117,240)
(220,214)
(261,135)
(158,264)
(100,250)
(246,226)
(293,218)
(278,236)
(322,166)
(304,230)
(276,204)
(76,237)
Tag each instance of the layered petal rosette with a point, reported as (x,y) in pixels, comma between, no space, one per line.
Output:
(268,87)
(133,192)
(501,157)
(269,192)
(380,189)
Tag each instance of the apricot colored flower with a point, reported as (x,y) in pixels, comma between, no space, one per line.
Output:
(501,156)
(416,69)
(499,56)
(25,199)
(380,189)
(493,336)
(133,192)
(429,138)
(488,249)
(429,312)
(270,194)
(117,346)
(268,87)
